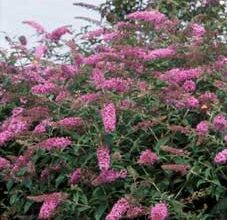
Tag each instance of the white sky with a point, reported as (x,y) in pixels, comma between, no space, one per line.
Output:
(49,13)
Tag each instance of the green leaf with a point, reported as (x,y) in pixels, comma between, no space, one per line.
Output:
(100,211)
(27,206)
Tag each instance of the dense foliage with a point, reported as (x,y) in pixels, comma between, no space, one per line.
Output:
(131,125)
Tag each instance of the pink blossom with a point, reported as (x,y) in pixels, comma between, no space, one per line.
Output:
(147,157)
(208,97)
(220,122)
(108,114)
(111,36)
(116,84)
(48,208)
(225,138)
(134,212)
(17,111)
(42,126)
(56,34)
(50,204)
(202,128)
(55,143)
(159,212)
(221,157)
(153,16)
(75,176)
(127,104)
(198,30)
(109,176)
(96,33)
(5,136)
(189,86)
(179,168)
(4,163)
(40,51)
(178,76)
(69,70)
(62,96)
(89,97)
(160,53)
(17,125)
(43,89)
(192,102)
(44,174)
(97,77)
(20,162)
(118,210)
(103,156)
(70,122)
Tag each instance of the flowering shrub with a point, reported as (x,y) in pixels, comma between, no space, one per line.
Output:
(135,127)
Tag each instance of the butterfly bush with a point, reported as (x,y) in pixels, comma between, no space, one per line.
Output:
(130,123)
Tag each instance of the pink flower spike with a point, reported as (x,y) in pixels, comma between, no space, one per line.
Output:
(56,34)
(118,210)
(50,204)
(39,28)
(55,143)
(103,156)
(75,177)
(108,114)
(70,122)
(147,157)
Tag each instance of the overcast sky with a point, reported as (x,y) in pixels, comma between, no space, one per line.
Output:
(49,13)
